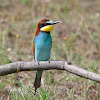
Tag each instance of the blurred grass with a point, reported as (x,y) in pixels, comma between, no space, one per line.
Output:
(76,40)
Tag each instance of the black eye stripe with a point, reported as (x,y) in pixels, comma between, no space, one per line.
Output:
(44,24)
(48,23)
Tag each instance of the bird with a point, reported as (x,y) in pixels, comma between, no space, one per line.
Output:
(42,45)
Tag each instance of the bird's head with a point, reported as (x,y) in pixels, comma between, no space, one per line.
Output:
(46,25)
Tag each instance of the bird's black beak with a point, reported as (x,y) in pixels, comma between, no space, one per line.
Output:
(56,22)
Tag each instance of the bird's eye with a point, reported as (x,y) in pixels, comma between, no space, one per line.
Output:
(45,24)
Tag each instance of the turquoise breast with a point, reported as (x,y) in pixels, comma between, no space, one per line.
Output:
(43,44)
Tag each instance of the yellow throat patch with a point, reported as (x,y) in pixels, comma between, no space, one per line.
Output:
(47,28)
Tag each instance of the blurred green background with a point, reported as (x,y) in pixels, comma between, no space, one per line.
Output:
(77,39)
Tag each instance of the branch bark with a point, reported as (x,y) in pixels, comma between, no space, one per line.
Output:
(47,65)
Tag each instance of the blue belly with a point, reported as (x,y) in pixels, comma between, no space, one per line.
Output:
(43,43)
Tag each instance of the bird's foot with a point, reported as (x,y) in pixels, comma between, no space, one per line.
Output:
(69,62)
(49,61)
(38,62)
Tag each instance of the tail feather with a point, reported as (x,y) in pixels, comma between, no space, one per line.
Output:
(37,82)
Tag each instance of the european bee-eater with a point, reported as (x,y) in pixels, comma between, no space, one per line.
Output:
(42,45)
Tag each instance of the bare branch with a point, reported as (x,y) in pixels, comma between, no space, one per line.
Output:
(46,65)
